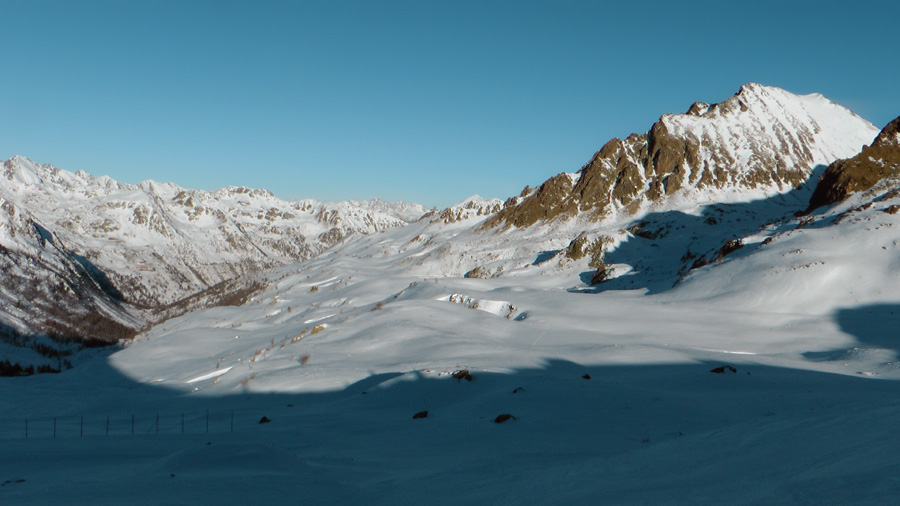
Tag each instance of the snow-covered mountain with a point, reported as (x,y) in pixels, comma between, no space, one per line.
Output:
(159,242)
(465,210)
(760,142)
(74,244)
(731,339)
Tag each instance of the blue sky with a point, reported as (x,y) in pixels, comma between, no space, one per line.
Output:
(421,101)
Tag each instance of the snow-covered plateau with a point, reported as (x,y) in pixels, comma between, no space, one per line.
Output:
(710,344)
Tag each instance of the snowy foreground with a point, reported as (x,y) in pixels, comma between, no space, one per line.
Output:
(612,392)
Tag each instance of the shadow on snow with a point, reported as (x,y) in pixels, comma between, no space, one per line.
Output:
(874,326)
(622,433)
(663,246)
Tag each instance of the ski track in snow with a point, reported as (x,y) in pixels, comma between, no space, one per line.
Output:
(211,375)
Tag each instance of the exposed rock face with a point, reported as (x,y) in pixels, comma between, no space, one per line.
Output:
(863,171)
(548,201)
(761,138)
(583,246)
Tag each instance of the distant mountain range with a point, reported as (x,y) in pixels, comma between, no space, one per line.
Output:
(92,259)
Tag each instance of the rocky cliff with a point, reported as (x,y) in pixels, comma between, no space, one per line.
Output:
(873,164)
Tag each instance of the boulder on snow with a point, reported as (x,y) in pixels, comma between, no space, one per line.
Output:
(462,374)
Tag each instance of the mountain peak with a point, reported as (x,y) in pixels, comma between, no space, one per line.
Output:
(749,88)
(890,134)
(762,140)
(22,170)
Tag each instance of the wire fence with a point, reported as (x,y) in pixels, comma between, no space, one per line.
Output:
(138,424)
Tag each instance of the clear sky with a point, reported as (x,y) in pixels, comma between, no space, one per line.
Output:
(424,101)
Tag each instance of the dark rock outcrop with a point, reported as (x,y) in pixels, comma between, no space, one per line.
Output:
(863,171)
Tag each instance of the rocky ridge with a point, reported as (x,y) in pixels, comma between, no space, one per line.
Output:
(873,164)
(472,207)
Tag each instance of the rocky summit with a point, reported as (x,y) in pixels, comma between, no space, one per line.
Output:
(763,140)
